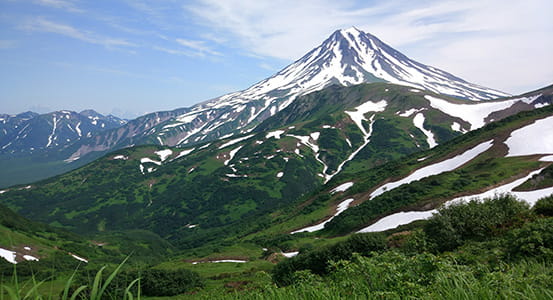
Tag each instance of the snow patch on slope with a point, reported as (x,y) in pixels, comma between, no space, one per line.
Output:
(437,168)
(276,134)
(394,220)
(529,197)
(164,154)
(8,255)
(232,142)
(474,113)
(342,187)
(418,121)
(184,153)
(536,138)
(340,209)
(232,153)
(358,116)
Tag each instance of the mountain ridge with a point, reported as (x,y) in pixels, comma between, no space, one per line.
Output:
(241,111)
(29,131)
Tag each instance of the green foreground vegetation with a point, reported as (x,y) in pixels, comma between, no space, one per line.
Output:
(495,248)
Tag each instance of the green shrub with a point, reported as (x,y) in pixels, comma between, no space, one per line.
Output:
(544,206)
(532,239)
(318,261)
(169,282)
(153,282)
(474,220)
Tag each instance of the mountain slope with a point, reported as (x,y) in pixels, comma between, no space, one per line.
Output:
(504,156)
(347,57)
(233,186)
(33,146)
(29,131)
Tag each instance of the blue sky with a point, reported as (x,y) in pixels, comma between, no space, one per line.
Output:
(132,57)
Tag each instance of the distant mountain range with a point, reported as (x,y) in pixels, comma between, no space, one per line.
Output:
(29,131)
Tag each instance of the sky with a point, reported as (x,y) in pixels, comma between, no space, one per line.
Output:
(131,57)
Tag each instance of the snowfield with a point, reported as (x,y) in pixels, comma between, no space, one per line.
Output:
(437,168)
(397,219)
(30,258)
(8,255)
(474,113)
(290,254)
(238,140)
(276,134)
(536,138)
(358,116)
(340,209)
(149,160)
(163,154)
(221,261)
(545,158)
(232,153)
(342,187)
(79,258)
(418,121)
(409,112)
(184,153)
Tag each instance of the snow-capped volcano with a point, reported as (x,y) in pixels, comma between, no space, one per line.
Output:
(351,56)
(346,58)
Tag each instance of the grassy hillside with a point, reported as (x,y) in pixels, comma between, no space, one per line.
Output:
(231,188)
(474,250)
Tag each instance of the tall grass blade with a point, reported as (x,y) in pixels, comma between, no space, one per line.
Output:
(112,276)
(128,295)
(77,292)
(94,293)
(11,292)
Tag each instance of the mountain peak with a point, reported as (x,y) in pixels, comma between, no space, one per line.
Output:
(90,113)
(350,30)
(352,56)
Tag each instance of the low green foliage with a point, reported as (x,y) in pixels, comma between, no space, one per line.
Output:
(532,239)
(318,260)
(155,282)
(474,220)
(539,181)
(544,206)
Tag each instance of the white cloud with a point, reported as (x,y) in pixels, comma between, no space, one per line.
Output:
(198,46)
(175,52)
(491,42)
(60,4)
(282,29)
(42,25)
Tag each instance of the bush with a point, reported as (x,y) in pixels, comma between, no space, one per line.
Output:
(318,261)
(532,239)
(168,282)
(153,282)
(474,220)
(544,206)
